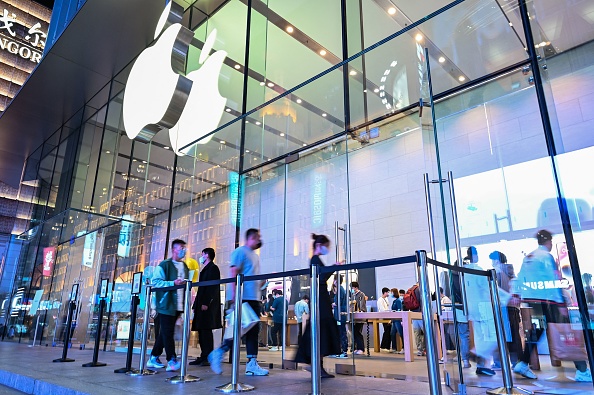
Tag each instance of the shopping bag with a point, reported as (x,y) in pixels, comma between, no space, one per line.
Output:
(249,318)
(565,343)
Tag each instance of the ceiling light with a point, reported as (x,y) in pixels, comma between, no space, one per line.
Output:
(323,52)
(461,78)
(441,59)
(258,123)
(143,161)
(353,72)
(376,90)
(148,180)
(108,152)
(282,135)
(270,84)
(247,151)
(290,29)
(364,90)
(298,101)
(214,183)
(228,110)
(166,147)
(262,83)
(391,10)
(511,24)
(133,160)
(419,37)
(305,145)
(237,67)
(324,115)
(222,142)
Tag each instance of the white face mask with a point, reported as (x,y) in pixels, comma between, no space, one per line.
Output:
(324,250)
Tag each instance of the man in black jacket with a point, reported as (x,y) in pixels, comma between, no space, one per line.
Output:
(207,307)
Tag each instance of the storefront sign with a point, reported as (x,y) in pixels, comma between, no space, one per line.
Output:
(124,242)
(123,330)
(318,197)
(89,249)
(49,258)
(234,209)
(30,46)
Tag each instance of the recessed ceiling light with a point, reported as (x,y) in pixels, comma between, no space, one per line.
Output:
(364,90)
(298,101)
(237,67)
(270,84)
(289,29)
(228,110)
(258,123)
(214,183)
(222,142)
(282,135)
(133,160)
(247,151)
(305,145)
(461,78)
(148,180)
(376,90)
(166,147)
(262,83)
(391,10)
(143,161)
(353,72)
(441,59)
(511,24)
(323,52)
(108,152)
(419,37)
(324,115)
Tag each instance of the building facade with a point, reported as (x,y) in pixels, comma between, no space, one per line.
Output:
(298,117)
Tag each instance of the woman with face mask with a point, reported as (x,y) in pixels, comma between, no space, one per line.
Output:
(329,333)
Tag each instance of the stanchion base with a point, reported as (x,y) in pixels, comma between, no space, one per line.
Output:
(512,391)
(63,360)
(123,370)
(234,388)
(145,372)
(183,379)
(93,364)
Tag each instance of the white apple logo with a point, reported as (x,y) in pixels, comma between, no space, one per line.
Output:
(158,95)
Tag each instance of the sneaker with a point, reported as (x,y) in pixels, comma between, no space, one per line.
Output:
(401,351)
(273,348)
(421,353)
(485,371)
(197,362)
(173,365)
(441,361)
(342,356)
(154,362)
(253,369)
(523,369)
(466,364)
(385,350)
(496,366)
(393,351)
(585,377)
(359,352)
(216,358)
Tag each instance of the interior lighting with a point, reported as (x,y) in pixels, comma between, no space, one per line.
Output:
(222,142)
(166,147)
(282,135)
(391,10)
(353,72)
(305,145)
(324,115)
(323,52)
(298,101)
(237,67)
(441,59)
(290,29)
(108,152)
(419,37)
(258,123)
(228,109)
(376,90)
(262,83)
(461,78)
(143,161)
(270,85)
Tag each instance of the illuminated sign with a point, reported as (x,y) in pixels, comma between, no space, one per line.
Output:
(159,95)
(31,43)
(234,209)
(89,249)
(317,199)
(49,258)
(125,242)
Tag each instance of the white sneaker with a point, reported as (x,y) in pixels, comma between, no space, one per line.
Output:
(359,352)
(401,351)
(585,377)
(154,362)
(173,365)
(273,349)
(216,358)
(253,369)
(523,369)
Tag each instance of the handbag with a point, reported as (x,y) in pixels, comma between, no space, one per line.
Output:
(249,319)
(566,343)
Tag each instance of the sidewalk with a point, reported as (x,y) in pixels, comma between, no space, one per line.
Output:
(32,371)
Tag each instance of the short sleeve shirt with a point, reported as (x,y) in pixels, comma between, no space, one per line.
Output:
(247,262)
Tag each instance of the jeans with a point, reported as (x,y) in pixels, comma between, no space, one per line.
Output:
(344,341)
(165,338)
(277,330)
(419,335)
(206,341)
(358,342)
(396,327)
(251,337)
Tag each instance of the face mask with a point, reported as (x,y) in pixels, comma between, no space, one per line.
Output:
(201,260)
(401,298)
(324,250)
(353,291)
(259,245)
(181,254)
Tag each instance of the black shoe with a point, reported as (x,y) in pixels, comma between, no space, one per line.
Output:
(485,372)
(197,362)
(205,363)
(326,375)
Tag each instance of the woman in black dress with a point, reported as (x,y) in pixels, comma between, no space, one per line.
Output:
(329,334)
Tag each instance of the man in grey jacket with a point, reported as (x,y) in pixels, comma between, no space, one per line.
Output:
(359,303)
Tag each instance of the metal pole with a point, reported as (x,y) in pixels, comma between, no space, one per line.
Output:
(314,324)
(457,239)
(71,307)
(432,356)
(133,306)
(36,327)
(94,363)
(183,377)
(508,384)
(432,241)
(142,370)
(234,386)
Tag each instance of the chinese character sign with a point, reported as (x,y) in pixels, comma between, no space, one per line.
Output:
(49,257)
(20,39)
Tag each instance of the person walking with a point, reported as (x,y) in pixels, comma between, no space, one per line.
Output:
(329,336)
(169,304)
(244,260)
(207,307)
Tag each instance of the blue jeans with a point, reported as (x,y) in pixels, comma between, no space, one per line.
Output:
(396,327)
(344,341)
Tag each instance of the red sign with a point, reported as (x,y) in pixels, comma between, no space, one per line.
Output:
(49,257)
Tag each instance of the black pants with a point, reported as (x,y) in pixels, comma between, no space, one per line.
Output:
(299,332)
(251,337)
(359,343)
(206,340)
(157,326)
(165,338)
(386,338)
(552,314)
(277,333)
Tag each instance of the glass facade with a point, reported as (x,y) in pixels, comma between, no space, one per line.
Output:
(321,128)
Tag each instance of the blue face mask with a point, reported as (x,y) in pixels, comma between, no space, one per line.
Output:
(181,254)
(201,260)
(324,250)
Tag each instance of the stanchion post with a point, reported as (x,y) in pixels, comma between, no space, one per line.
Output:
(314,324)
(142,370)
(94,363)
(234,386)
(133,306)
(71,308)
(432,355)
(508,384)
(183,377)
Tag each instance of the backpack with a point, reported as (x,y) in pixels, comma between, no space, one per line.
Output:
(410,301)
